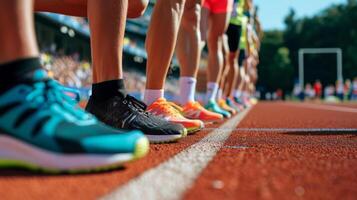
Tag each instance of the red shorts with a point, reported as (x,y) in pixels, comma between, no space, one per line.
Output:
(218,6)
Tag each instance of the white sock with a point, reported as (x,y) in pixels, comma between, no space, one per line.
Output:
(245,94)
(187,89)
(212,89)
(237,93)
(219,94)
(151,96)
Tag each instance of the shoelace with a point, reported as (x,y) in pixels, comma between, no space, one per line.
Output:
(48,92)
(168,109)
(137,106)
(174,105)
(198,105)
(140,106)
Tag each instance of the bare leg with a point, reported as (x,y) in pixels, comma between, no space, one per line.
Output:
(217,26)
(189,37)
(233,72)
(224,85)
(188,50)
(17,35)
(107,20)
(161,40)
(160,45)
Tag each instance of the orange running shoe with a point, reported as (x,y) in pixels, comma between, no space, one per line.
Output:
(223,104)
(165,109)
(194,110)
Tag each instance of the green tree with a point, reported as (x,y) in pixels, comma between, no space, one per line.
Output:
(275,69)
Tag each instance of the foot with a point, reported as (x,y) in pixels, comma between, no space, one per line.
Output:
(129,113)
(239,101)
(230,102)
(194,110)
(222,103)
(213,106)
(253,101)
(246,102)
(42,129)
(171,112)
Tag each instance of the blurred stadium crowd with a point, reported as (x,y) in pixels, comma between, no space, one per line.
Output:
(340,91)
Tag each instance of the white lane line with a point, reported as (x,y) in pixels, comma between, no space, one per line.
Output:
(323,107)
(347,130)
(172,178)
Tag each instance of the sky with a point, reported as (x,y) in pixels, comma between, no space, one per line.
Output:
(273,12)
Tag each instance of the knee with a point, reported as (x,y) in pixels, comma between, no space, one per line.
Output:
(192,15)
(136,8)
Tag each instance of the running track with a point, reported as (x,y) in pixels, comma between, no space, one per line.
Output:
(272,151)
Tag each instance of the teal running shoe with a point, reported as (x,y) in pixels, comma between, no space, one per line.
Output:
(231,104)
(240,102)
(42,129)
(213,106)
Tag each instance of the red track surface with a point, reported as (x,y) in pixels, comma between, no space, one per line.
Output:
(274,166)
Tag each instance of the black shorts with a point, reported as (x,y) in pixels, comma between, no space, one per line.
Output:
(241,58)
(234,32)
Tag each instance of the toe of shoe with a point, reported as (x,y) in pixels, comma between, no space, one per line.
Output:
(129,142)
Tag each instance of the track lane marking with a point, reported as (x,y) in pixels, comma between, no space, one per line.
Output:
(323,107)
(171,179)
(347,130)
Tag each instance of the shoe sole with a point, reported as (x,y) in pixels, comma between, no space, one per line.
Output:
(207,121)
(224,116)
(193,130)
(160,139)
(16,154)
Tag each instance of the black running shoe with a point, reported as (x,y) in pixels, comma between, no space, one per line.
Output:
(130,113)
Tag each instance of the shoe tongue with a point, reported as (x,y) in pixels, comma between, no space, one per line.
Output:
(161,99)
(192,103)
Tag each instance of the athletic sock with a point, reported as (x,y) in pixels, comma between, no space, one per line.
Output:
(17,71)
(187,89)
(219,94)
(151,96)
(237,93)
(108,89)
(212,89)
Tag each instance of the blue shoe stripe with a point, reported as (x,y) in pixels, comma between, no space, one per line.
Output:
(8,107)
(25,115)
(39,125)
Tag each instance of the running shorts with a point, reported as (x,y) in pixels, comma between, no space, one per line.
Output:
(234,33)
(218,6)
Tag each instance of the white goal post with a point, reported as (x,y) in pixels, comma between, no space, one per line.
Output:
(304,51)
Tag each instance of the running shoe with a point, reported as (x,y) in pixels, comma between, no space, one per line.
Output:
(166,110)
(230,102)
(253,100)
(246,102)
(222,103)
(126,112)
(213,106)
(194,110)
(239,101)
(41,129)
